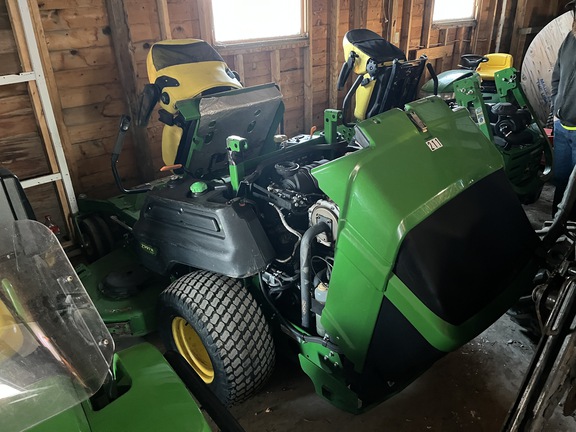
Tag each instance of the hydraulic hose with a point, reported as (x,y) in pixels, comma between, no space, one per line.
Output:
(305,267)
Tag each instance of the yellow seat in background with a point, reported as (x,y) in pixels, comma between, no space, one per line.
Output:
(496,62)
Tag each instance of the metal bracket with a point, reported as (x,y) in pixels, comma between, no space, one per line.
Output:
(236,146)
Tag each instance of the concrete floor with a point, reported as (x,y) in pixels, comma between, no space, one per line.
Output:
(469,390)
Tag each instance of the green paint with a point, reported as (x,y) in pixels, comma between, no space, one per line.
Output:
(155,398)
(198,187)
(325,370)
(236,147)
(148,249)
(467,92)
(151,398)
(135,315)
(72,419)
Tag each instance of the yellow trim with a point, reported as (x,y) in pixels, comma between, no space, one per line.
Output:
(363,95)
(171,136)
(11,338)
(191,347)
(570,128)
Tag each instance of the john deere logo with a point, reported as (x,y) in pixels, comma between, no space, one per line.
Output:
(147,248)
(434,144)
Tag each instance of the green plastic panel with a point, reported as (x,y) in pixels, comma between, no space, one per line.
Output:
(156,399)
(134,316)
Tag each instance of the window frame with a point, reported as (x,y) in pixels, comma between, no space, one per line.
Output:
(457,22)
(301,39)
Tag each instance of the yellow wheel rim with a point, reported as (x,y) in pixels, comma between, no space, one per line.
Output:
(192,349)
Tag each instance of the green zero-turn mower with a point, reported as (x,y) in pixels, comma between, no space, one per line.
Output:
(372,250)
(58,368)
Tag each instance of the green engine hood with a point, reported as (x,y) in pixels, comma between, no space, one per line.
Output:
(404,174)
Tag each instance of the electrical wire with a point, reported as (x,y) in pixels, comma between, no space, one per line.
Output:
(291,231)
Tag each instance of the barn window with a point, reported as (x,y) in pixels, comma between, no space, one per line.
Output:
(255,20)
(454,10)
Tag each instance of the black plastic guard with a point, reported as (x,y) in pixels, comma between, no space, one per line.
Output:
(14,204)
(469,251)
(206,232)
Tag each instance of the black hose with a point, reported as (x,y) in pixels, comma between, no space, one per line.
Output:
(347,99)
(434,77)
(124,126)
(305,267)
(289,329)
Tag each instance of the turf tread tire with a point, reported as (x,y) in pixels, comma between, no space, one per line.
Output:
(231,325)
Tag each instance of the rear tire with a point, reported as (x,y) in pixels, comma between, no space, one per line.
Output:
(218,327)
(98,239)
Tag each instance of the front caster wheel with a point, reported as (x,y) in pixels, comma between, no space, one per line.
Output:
(217,326)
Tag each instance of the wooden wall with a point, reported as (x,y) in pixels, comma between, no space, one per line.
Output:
(21,148)
(91,94)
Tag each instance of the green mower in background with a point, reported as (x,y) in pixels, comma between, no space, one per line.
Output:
(369,250)
(58,368)
(487,85)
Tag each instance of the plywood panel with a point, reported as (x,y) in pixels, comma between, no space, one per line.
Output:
(539,63)
(23,153)
(79,18)
(82,58)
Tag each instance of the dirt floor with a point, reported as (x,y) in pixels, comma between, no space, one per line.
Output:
(469,390)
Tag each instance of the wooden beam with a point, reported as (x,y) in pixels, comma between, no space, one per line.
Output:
(124,53)
(359,13)
(164,19)
(479,26)
(308,75)
(333,50)
(239,65)
(406,25)
(491,34)
(206,17)
(427,23)
(500,30)
(434,53)
(394,36)
(519,40)
(275,66)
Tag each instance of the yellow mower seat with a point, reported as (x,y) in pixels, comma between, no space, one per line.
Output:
(385,78)
(179,70)
(496,62)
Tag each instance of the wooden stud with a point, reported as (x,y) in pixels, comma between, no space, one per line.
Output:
(333,48)
(518,39)
(427,23)
(164,19)
(206,20)
(406,25)
(124,53)
(275,66)
(492,25)
(393,34)
(359,12)
(308,78)
(500,30)
(239,66)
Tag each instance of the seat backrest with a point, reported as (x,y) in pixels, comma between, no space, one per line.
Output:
(398,86)
(496,62)
(254,113)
